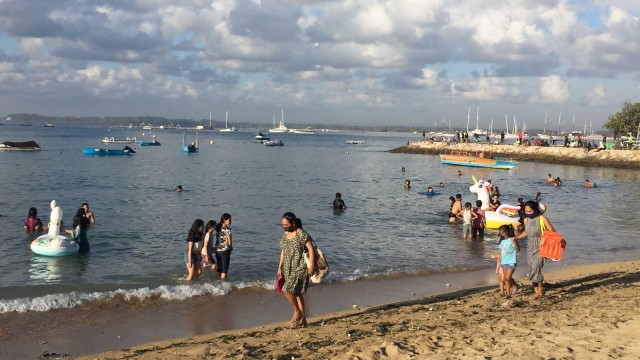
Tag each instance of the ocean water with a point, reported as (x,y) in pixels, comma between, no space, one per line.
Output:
(138,241)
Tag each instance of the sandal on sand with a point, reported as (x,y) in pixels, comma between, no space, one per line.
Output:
(296,320)
(302,322)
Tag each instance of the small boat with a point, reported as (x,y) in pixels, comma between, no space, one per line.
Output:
(306,130)
(25,124)
(20,146)
(48,125)
(354,142)
(153,142)
(147,127)
(262,138)
(111,140)
(191,148)
(476,159)
(274,143)
(96,151)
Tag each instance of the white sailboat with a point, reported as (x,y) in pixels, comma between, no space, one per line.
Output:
(514,133)
(226,124)
(477,130)
(281,128)
(544,135)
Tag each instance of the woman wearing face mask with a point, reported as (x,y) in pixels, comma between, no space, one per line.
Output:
(532,232)
(293,244)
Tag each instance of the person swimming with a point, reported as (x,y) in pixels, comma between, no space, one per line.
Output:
(429,191)
(407,184)
(179,188)
(550,178)
(589,184)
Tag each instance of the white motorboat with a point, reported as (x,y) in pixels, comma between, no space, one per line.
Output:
(112,140)
(306,130)
(262,138)
(354,142)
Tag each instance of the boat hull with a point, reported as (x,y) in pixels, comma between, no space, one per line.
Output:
(472,161)
(149,143)
(94,151)
(19,146)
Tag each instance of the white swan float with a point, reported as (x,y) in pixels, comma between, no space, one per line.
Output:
(53,243)
(504,214)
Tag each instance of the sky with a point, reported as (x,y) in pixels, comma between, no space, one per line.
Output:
(423,63)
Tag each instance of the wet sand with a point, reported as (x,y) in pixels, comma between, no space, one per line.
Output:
(629,159)
(590,311)
(117,324)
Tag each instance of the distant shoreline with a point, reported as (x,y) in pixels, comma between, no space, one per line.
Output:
(627,159)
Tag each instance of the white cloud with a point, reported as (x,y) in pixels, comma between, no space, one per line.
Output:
(553,90)
(493,89)
(401,53)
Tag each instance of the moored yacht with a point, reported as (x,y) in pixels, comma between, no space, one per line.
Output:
(281,128)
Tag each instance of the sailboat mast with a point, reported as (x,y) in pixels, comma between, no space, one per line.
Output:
(544,131)
(506,122)
(559,117)
(468,115)
(226,119)
(210,119)
(477,117)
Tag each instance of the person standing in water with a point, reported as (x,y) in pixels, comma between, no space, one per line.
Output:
(33,222)
(79,230)
(88,214)
(456,208)
(338,203)
(208,256)
(224,245)
(193,257)
(293,245)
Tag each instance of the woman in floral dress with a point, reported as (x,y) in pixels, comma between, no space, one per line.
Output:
(293,244)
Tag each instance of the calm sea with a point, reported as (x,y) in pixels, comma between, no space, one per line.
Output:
(138,242)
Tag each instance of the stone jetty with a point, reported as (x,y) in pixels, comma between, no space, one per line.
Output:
(629,159)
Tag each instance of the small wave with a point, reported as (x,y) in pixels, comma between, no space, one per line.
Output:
(164,292)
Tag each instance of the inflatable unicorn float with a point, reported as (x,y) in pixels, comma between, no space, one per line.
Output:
(53,243)
(504,214)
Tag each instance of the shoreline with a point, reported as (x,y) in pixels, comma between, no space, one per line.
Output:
(628,159)
(579,317)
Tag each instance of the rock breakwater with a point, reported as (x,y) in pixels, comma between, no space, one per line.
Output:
(629,159)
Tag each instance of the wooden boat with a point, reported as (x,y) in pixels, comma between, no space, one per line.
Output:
(111,140)
(476,159)
(95,151)
(20,146)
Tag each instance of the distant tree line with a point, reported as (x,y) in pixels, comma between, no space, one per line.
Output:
(158,121)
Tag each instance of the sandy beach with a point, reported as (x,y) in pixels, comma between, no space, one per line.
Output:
(589,312)
(629,159)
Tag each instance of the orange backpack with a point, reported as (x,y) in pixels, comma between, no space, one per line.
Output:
(552,244)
